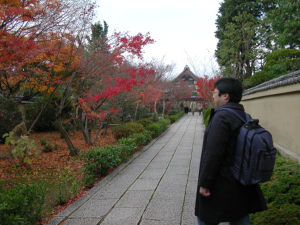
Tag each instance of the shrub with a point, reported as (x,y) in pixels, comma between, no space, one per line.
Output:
(22,204)
(141,139)
(99,160)
(206,115)
(10,117)
(155,129)
(146,121)
(282,194)
(164,124)
(138,127)
(148,136)
(47,147)
(126,147)
(122,131)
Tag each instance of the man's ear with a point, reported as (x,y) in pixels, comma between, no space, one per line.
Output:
(226,96)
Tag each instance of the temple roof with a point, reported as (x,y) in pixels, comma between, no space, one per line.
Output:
(186,71)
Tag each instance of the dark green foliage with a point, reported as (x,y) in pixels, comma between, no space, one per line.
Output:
(141,139)
(46,146)
(286,214)
(138,127)
(282,194)
(122,131)
(278,63)
(176,117)
(98,161)
(146,121)
(22,204)
(164,124)
(173,112)
(47,121)
(155,129)
(10,116)
(206,115)
(126,147)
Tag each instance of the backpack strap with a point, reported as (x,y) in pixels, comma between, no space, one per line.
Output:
(248,118)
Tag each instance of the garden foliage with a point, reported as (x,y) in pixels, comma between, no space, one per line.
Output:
(282,194)
(22,204)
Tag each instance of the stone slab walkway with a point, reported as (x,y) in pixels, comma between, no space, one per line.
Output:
(157,186)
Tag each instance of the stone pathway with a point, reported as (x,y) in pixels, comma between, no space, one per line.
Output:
(157,186)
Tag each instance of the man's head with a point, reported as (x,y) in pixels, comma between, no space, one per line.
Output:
(227,89)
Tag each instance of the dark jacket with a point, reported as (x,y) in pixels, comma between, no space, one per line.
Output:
(229,200)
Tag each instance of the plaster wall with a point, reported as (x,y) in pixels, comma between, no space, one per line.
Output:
(278,110)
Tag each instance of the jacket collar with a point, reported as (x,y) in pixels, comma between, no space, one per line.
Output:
(231,105)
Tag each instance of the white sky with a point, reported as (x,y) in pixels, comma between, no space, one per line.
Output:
(177,26)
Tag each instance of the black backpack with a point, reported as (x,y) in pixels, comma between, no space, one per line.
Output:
(255,155)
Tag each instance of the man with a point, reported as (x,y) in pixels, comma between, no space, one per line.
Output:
(186,106)
(200,108)
(220,198)
(193,106)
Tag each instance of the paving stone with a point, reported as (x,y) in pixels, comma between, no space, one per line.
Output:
(168,191)
(94,208)
(158,165)
(175,179)
(152,173)
(135,199)
(160,222)
(123,216)
(160,209)
(178,169)
(144,184)
(82,221)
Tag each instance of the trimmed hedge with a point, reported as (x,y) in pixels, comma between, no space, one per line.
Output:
(206,116)
(282,194)
(176,117)
(123,131)
(146,121)
(22,204)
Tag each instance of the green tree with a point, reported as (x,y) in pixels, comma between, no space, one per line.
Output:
(285,21)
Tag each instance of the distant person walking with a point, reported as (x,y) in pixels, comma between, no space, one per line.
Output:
(193,106)
(186,106)
(199,108)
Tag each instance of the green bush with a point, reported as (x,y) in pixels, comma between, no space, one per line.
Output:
(206,115)
(282,194)
(164,124)
(126,147)
(173,118)
(46,121)
(138,127)
(155,129)
(286,214)
(142,139)
(22,204)
(146,121)
(99,160)
(122,131)
(10,116)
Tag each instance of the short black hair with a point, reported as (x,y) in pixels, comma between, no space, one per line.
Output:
(231,86)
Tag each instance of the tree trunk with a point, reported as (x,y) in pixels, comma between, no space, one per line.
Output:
(82,127)
(164,105)
(101,126)
(136,109)
(64,133)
